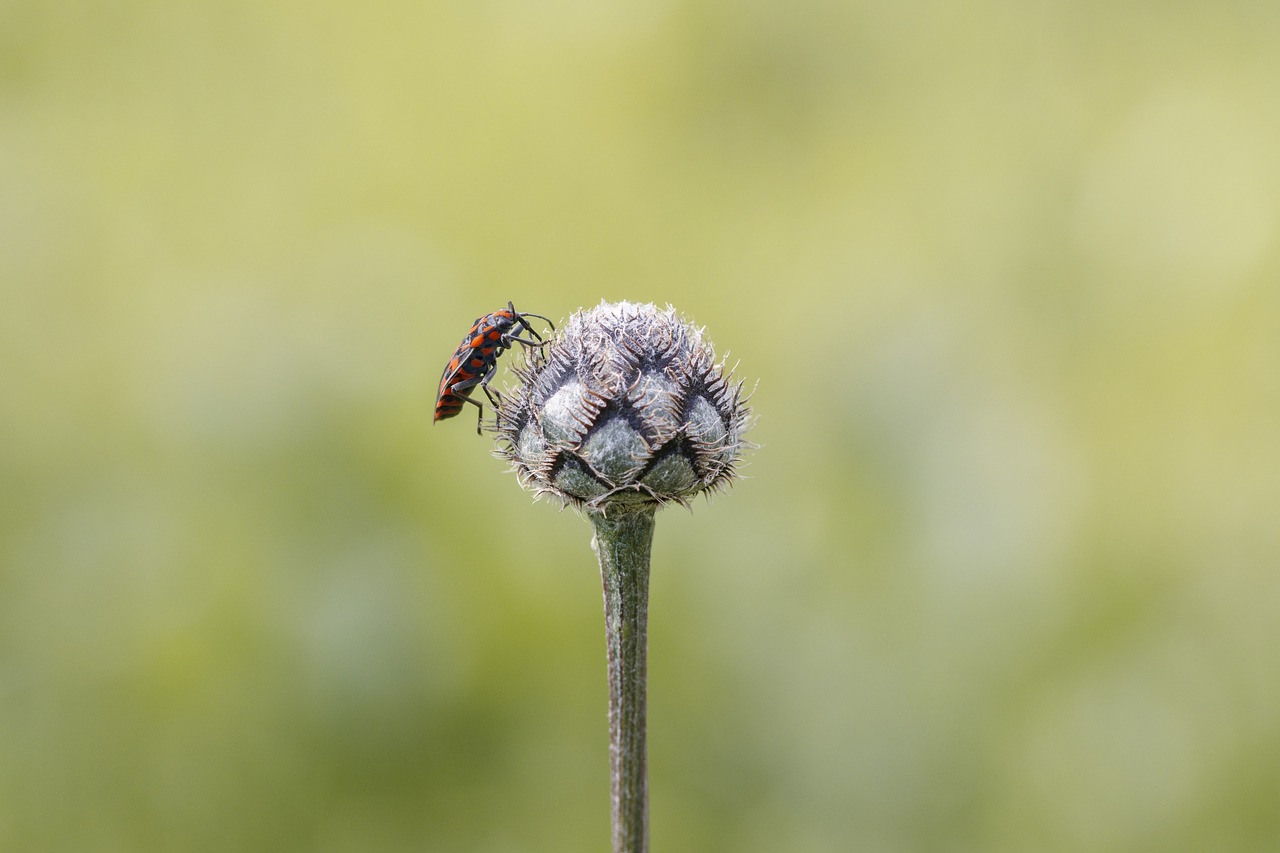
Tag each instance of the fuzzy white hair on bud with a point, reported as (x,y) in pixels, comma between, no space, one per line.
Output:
(627,405)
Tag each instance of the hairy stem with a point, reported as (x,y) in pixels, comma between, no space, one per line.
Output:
(622,543)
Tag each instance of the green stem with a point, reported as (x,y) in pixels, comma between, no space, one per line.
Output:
(622,543)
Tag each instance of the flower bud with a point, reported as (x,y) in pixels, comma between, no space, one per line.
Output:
(626,405)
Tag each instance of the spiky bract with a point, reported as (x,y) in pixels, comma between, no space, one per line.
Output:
(628,405)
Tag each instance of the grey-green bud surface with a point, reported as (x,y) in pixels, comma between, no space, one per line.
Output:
(626,405)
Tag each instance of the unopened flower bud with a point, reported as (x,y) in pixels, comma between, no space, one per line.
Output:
(627,405)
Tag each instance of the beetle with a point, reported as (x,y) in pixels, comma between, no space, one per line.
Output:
(476,359)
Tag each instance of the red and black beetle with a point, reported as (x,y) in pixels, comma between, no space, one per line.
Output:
(476,359)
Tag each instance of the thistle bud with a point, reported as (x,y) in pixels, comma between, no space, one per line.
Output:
(626,405)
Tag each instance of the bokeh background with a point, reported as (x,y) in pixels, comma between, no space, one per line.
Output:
(1003,575)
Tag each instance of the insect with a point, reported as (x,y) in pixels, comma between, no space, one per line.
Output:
(476,359)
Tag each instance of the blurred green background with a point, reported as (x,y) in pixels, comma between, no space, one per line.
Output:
(1003,576)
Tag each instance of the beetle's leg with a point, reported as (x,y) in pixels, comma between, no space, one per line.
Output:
(494,397)
(468,384)
(479,414)
(526,342)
